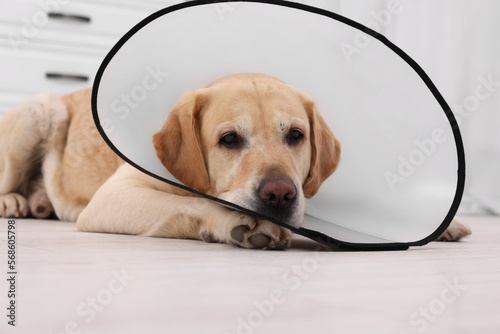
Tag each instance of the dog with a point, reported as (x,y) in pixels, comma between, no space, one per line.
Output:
(249,139)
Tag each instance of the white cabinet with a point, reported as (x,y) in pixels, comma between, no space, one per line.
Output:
(57,45)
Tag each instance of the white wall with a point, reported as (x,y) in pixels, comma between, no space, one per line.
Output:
(457,43)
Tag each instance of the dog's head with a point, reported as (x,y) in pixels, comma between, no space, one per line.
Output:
(252,140)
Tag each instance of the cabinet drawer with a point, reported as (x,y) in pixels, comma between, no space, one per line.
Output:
(67,22)
(47,69)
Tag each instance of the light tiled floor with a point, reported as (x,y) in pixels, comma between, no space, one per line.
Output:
(71,282)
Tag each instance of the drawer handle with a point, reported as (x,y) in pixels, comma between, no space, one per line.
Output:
(71,17)
(62,76)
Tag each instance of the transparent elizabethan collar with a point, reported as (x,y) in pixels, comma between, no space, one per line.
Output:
(402,169)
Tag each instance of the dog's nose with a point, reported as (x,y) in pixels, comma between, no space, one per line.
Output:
(277,192)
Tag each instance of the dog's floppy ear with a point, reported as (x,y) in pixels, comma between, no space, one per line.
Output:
(325,153)
(178,144)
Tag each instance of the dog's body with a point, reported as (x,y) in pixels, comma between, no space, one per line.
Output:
(248,139)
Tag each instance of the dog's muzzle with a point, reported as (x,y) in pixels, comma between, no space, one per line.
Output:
(277,198)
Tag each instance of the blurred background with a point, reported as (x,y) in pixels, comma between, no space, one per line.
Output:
(57,46)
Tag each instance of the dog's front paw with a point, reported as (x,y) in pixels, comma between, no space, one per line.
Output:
(248,232)
(456,231)
(13,206)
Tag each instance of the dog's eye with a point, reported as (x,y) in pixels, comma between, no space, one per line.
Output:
(230,140)
(295,137)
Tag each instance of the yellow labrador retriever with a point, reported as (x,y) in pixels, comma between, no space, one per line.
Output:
(249,139)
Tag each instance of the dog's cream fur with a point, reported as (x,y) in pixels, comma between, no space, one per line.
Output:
(53,159)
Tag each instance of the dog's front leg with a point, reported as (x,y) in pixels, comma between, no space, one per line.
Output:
(133,203)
